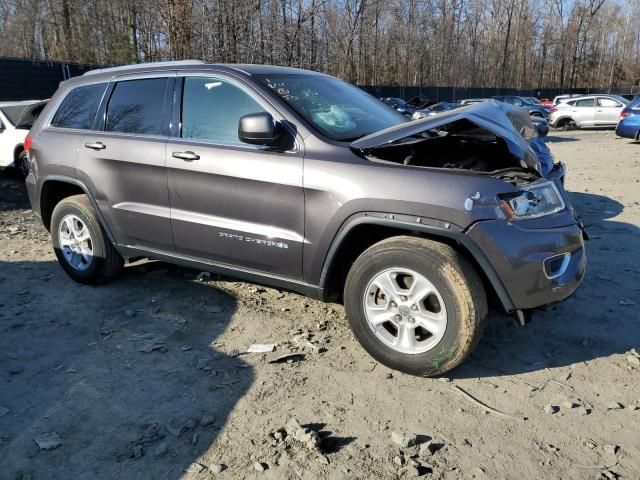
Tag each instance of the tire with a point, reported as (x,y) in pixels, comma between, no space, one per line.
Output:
(568,124)
(104,263)
(22,164)
(458,288)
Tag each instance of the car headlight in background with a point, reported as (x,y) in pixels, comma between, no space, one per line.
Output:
(533,201)
(417,115)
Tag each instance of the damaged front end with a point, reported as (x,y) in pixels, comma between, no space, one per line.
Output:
(516,210)
(490,137)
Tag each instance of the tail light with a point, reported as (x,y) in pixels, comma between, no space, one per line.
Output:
(554,110)
(27,143)
(624,115)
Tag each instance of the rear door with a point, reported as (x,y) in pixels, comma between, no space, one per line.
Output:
(122,160)
(232,203)
(608,111)
(584,112)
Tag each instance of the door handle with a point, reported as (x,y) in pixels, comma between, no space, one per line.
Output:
(187,156)
(599,111)
(95,146)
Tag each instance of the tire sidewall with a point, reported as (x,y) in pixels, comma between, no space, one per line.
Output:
(426,363)
(22,165)
(94,271)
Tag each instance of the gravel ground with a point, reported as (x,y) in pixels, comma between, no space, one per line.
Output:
(142,378)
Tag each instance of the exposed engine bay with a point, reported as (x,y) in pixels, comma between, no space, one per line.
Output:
(459,145)
(489,138)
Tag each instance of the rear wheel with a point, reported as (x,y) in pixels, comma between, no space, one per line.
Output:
(415,305)
(568,124)
(80,243)
(21,164)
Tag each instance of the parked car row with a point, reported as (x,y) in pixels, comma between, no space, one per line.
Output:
(565,112)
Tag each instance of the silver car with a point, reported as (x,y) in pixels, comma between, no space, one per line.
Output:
(587,111)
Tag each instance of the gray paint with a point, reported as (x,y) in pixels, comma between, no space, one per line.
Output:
(234,208)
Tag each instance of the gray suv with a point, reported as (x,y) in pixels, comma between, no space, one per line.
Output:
(300,181)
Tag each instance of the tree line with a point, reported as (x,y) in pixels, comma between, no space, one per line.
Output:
(491,43)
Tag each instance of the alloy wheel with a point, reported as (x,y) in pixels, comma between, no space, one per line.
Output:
(405,311)
(75,242)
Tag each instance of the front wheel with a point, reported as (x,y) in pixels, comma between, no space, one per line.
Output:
(415,305)
(80,243)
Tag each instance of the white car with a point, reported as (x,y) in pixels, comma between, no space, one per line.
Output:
(587,111)
(16,119)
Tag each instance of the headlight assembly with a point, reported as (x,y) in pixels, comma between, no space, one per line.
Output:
(533,201)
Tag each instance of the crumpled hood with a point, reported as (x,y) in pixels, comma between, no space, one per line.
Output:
(502,119)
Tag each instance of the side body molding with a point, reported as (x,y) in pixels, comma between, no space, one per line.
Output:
(430,227)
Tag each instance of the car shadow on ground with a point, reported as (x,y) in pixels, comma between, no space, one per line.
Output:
(550,138)
(599,320)
(13,194)
(129,373)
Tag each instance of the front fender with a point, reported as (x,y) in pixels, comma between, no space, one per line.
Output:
(432,228)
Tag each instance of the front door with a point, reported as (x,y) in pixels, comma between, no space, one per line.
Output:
(124,164)
(608,111)
(233,203)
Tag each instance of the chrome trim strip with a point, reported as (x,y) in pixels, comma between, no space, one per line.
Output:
(212,221)
(237,225)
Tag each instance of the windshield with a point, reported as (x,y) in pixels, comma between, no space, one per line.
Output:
(337,109)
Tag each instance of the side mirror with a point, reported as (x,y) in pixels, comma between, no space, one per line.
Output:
(258,129)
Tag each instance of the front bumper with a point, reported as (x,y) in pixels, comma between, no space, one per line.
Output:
(536,266)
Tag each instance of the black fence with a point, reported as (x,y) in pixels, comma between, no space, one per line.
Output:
(23,79)
(452,94)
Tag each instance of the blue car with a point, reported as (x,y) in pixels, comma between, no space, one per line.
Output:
(629,124)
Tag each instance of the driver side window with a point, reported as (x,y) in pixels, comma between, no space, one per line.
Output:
(211,109)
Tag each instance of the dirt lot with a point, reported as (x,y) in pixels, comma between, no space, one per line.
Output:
(141,378)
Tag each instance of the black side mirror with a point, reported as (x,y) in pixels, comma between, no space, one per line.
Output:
(259,129)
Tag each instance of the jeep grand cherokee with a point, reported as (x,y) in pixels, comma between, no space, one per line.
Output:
(298,180)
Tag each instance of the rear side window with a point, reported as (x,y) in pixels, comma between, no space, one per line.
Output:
(211,109)
(78,109)
(136,106)
(589,102)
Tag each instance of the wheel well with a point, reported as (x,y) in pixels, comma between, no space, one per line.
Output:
(364,236)
(53,191)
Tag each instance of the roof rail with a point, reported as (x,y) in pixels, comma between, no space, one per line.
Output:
(121,68)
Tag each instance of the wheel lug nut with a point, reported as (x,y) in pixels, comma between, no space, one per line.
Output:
(404,299)
(398,318)
(414,307)
(393,305)
(412,320)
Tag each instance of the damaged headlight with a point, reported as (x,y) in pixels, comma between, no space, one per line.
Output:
(533,201)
